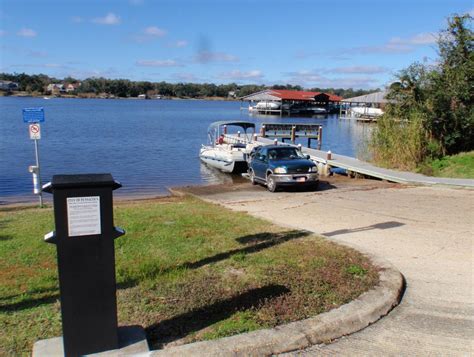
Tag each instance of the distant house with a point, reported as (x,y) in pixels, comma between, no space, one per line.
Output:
(71,87)
(232,94)
(55,88)
(8,85)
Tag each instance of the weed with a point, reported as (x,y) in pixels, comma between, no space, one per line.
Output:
(356,270)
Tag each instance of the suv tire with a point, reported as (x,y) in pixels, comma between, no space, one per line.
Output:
(252,177)
(271,184)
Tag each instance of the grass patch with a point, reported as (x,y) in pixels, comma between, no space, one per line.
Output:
(455,166)
(356,270)
(186,270)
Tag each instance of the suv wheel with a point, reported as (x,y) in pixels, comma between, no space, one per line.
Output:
(271,184)
(252,177)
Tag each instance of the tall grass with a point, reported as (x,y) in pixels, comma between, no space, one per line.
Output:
(401,144)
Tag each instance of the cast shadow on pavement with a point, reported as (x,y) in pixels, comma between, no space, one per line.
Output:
(383,225)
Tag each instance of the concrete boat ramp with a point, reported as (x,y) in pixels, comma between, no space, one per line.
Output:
(354,166)
(426,232)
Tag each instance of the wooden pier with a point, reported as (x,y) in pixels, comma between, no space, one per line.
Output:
(292,132)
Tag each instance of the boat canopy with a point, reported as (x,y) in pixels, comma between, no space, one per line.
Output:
(243,124)
(215,131)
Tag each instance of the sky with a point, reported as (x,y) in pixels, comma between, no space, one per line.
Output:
(337,43)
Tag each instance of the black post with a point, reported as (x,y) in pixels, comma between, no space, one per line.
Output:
(84,238)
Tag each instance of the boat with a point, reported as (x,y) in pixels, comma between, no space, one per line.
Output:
(228,152)
(361,112)
(319,110)
(264,105)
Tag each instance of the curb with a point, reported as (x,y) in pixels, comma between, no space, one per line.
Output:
(346,319)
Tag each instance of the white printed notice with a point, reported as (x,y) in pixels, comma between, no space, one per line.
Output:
(83,216)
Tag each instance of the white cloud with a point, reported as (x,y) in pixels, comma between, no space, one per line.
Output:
(208,56)
(388,48)
(158,63)
(154,31)
(185,77)
(109,19)
(41,65)
(181,43)
(304,76)
(358,70)
(312,79)
(25,32)
(148,34)
(37,54)
(54,65)
(77,19)
(424,38)
(395,45)
(97,73)
(241,75)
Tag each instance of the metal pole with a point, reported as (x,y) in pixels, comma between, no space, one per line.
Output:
(39,175)
(320,137)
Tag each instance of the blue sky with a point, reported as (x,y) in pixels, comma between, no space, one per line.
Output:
(338,43)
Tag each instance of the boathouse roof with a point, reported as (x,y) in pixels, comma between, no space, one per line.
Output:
(376,97)
(285,94)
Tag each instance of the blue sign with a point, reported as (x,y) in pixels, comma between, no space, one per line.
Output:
(33,115)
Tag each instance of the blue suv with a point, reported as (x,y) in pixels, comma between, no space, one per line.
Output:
(282,165)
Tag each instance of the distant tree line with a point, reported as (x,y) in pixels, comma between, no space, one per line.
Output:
(123,88)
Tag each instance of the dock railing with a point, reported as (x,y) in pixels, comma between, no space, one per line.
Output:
(292,132)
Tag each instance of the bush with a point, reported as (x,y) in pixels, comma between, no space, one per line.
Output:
(431,112)
(402,144)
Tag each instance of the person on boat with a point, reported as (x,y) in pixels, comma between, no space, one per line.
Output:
(220,141)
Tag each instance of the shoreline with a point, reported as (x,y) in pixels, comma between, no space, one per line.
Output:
(48,200)
(72,96)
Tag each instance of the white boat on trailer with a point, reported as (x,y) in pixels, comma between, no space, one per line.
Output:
(228,152)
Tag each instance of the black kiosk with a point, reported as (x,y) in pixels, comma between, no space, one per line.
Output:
(84,238)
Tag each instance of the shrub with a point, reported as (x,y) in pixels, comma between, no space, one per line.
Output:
(402,144)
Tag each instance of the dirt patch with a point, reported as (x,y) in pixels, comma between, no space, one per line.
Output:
(326,184)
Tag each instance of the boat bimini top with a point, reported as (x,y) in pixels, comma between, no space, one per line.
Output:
(216,129)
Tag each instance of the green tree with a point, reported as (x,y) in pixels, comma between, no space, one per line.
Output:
(432,110)
(452,95)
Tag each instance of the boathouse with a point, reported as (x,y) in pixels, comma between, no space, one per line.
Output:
(364,107)
(289,102)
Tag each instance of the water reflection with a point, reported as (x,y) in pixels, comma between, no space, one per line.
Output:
(213,176)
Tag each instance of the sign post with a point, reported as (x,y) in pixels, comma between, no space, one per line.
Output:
(34,116)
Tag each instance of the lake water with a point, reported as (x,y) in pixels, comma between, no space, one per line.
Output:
(147,145)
